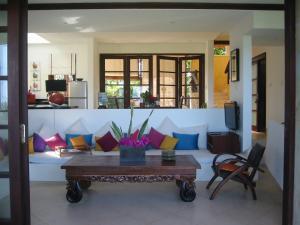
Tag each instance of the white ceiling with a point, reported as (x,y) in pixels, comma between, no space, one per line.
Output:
(206,1)
(141,26)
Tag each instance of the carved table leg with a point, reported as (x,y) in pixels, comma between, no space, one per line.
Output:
(187,191)
(74,193)
(85,184)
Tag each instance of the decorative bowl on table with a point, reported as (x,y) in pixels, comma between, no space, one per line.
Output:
(168,155)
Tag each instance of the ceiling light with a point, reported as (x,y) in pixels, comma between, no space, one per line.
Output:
(34,38)
(88,30)
(71,20)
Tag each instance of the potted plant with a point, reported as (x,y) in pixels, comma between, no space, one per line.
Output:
(148,99)
(132,145)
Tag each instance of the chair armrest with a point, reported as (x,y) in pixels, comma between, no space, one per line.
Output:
(232,154)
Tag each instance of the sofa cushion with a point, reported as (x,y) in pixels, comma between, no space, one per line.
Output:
(107,142)
(46,132)
(79,143)
(39,143)
(167,127)
(77,128)
(55,142)
(168,143)
(156,138)
(186,141)
(87,137)
(199,129)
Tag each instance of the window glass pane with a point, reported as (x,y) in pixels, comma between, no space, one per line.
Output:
(114,65)
(136,91)
(254,118)
(190,103)
(139,78)
(190,91)
(167,78)
(167,102)
(139,64)
(3,54)
(3,18)
(3,103)
(167,65)
(4,199)
(4,163)
(114,76)
(254,87)
(167,92)
(112,103)
(114,90)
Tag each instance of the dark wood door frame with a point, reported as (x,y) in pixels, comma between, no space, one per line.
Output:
(17,107)
(290,70)
(261,92)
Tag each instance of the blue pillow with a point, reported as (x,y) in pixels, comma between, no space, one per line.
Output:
(186,141)
(87,137)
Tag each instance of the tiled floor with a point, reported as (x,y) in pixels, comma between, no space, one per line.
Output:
(156,204)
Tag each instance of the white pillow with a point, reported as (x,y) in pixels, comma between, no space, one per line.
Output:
(77,128)
(104,129)
(138,127)
(201,130)
(46,132)
(167,127)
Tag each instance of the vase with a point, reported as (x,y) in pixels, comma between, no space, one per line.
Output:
(131,155)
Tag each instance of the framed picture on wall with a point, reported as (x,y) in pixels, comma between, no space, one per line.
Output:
(235,65)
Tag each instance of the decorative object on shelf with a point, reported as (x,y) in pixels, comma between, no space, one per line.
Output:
(36,77)
(102,100)
(132,145)
(148,100)
(168,155)
(235,65)
(56,98)
(30,97)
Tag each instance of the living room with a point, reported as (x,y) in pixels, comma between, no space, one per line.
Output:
(156,40)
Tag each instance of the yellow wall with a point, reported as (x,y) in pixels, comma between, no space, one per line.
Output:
(221,88)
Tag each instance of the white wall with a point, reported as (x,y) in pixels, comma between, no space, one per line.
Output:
(241,91)
(274,82)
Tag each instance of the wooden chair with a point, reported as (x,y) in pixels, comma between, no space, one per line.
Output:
(238,169)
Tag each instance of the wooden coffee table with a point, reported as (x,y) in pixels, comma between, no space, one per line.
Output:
(81,170)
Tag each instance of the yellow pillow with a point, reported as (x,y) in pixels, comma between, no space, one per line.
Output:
(30,145)
(79,143)
(98,147)
(168,143)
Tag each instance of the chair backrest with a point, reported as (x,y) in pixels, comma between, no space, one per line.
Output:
(255,157)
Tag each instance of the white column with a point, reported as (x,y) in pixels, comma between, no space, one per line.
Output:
(209,74)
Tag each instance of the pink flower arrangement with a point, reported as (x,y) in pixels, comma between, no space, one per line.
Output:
(134,142)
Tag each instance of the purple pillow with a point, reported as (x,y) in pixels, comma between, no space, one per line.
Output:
(39,144)
(107,142)
(156,138)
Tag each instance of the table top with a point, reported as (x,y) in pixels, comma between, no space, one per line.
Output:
(113,162)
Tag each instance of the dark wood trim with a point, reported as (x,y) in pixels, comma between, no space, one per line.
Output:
(4,174)
(259,57)
(221,42)
(290,113)
(3,29)
(154,5)
(5,221)
(3,7)
(17,107)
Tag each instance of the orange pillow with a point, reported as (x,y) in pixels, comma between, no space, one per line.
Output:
(79,143)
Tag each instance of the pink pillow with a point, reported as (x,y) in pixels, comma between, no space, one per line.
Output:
(107,142)
(56,142)
(156,138)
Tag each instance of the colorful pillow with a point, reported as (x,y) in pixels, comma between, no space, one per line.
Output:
(56,142)
(79,143)
(107,142)
(98,147)
(168,143)
(46,132)
(87,137)
(186,141)
(39,143)
(199,129)
(30,145)
(156,138)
